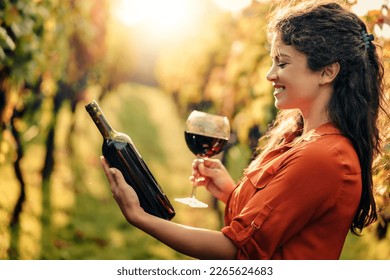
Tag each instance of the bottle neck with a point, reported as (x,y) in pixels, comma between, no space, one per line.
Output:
(100,120)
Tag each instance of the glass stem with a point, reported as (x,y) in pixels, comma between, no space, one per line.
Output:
(193,193)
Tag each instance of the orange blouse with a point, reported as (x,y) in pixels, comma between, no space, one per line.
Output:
(299,201)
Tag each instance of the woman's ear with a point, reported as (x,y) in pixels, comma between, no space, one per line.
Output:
(329,73)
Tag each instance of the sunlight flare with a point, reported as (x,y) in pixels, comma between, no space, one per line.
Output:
(363,6)
(160,16)
(131,12)
(233,6)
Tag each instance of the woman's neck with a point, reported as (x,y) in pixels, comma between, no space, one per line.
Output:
(314,121)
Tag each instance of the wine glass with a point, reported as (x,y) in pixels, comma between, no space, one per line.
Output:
(206,135)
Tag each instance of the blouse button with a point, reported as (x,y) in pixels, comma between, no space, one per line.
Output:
(254,226)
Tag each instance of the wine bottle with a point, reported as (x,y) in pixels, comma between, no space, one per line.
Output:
(121,153)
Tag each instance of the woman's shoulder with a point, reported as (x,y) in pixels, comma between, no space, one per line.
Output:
(330,147)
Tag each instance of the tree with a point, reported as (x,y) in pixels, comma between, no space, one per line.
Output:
(50,52)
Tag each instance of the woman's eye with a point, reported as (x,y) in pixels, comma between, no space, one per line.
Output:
(282,65)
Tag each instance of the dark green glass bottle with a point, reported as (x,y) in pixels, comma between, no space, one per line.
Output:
(121,153)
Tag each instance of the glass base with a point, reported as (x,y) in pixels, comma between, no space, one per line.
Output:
(192,201)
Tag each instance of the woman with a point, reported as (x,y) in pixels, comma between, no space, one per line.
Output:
(312,182)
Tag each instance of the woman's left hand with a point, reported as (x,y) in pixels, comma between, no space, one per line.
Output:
(124,195)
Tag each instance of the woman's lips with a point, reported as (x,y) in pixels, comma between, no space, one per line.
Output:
(278,89)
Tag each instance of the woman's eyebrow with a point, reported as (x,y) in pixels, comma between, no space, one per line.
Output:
(280,55)
(284,55)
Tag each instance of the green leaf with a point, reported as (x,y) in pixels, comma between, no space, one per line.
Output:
(2,54)
(6,41)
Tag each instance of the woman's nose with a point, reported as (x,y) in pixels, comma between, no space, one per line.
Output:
(271,74)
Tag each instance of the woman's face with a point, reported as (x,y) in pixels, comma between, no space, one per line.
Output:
(296,85)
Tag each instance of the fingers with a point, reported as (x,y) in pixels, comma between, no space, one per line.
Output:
(109,171)
(209,168)
(203,171)
(198,181)
(205,162)
(114,176)
(212,163)
(124,195)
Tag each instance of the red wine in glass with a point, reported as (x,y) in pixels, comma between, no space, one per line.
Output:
(204,146)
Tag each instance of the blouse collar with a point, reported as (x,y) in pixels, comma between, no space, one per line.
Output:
(328,128)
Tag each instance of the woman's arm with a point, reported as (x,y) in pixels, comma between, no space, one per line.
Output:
(194,242)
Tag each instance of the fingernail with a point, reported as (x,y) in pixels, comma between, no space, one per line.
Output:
(113,172)
(200,179)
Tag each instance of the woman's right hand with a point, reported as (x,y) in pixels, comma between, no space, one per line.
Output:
(212,174)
